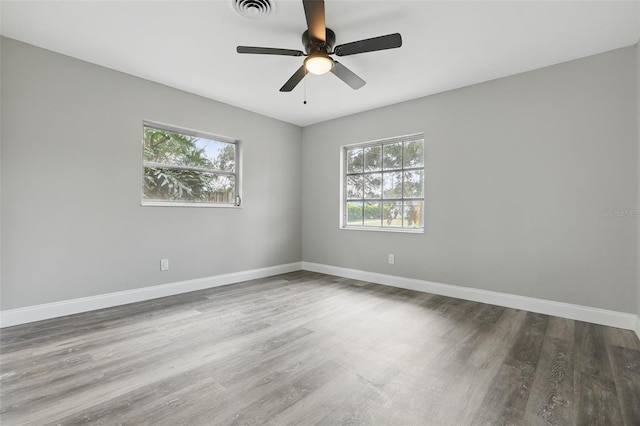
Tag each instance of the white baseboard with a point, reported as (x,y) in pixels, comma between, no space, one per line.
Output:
(29,314)
(74,306)
(548,307)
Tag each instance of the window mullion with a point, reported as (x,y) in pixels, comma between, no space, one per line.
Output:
(190,168)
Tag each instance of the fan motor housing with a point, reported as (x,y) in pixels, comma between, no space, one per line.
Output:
(312,45)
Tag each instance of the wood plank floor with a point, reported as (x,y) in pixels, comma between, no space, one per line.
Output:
(305,349)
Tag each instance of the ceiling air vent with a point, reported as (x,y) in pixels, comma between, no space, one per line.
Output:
(253,9)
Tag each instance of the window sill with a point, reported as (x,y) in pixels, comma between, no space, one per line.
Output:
(376,229)
(179,204)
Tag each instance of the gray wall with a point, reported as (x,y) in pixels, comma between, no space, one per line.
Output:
(520,172)
(72,224)
(638,205)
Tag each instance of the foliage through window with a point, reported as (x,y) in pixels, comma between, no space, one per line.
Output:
(186,167)
(383,184)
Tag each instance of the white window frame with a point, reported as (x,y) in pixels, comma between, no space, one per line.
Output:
(343,186)
(198,134)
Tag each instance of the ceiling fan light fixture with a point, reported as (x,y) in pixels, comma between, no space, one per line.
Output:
(318,64)
(318,42)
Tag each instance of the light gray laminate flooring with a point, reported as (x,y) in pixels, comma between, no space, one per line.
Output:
(306,348)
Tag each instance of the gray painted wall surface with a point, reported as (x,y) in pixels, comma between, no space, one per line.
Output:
(638,201)
(519,174)
(72,224)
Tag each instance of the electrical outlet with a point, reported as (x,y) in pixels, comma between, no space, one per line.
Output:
(164,264)
(392,259)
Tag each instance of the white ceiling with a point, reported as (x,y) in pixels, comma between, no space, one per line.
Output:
(190,45)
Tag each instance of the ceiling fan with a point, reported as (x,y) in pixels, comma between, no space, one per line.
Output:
(318,43)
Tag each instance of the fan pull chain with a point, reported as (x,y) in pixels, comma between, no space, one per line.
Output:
(305,92)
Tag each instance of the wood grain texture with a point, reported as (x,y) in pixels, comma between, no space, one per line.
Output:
(312,349)
(507,397)
(626,371)
(595,393)
(550,401)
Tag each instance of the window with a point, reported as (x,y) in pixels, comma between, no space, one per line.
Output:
(383,185)
(184,167)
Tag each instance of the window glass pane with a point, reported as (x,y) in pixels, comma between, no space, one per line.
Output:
(171,148)
(392,214)
(354,187)
(413,184)
(354,160)
(392,185)
(372,158)
(166,184)
(414,153)
(392,156)
(372,213)
(412,216)
(221,154)
(164,147)
(373,186)
(354,213)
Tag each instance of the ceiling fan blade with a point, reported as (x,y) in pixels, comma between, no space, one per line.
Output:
(294,80)
(268,51)
(389,41)
(348,76)
(314,12)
